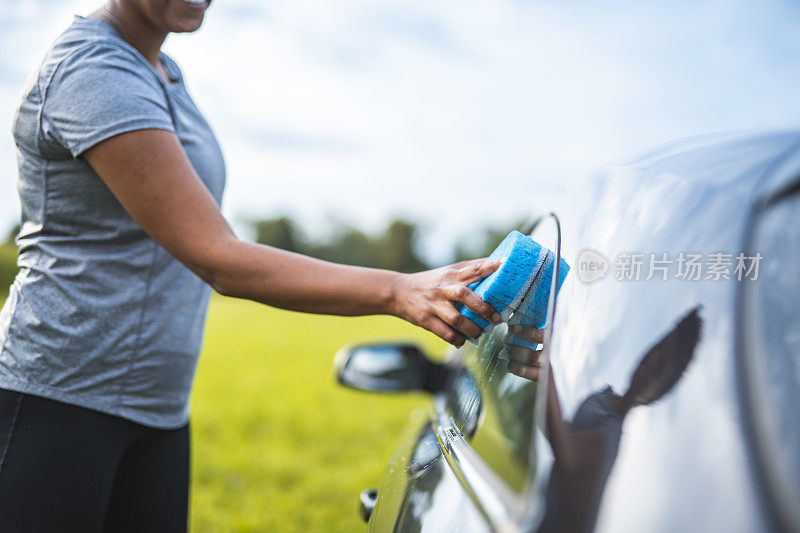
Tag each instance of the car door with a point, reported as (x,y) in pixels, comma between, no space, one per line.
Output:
(644,364)
(472,465)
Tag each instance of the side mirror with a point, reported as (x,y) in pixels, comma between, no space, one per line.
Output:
(389,367)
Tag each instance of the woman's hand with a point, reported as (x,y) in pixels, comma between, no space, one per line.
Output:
(428,299)
(523,361)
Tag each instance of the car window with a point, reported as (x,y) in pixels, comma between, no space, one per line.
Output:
(494,407)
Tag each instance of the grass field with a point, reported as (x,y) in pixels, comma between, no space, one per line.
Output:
(278,445)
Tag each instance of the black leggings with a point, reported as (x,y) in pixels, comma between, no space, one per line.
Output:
(66,468)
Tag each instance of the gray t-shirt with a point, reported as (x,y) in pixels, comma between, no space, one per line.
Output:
(100,315)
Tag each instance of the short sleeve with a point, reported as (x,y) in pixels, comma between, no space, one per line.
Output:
(98,92)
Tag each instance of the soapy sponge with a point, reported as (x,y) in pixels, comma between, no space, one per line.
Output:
(521,284)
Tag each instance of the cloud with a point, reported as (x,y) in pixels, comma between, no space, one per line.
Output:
(458,113)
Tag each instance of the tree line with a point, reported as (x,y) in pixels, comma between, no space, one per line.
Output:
(396,247)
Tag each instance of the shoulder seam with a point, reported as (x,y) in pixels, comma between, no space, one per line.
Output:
(91,42)
(43,93)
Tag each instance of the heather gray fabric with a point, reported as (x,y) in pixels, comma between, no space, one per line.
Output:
(100,315)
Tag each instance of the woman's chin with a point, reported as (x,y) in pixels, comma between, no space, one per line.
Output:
(184,28)
(186,24)
(185,16)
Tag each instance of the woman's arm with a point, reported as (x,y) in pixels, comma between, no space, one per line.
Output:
(150,174)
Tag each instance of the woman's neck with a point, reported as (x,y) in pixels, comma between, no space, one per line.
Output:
(134,27)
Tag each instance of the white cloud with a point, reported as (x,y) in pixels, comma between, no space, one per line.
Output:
(457,112)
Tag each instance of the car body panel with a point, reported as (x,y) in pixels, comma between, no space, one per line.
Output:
(682,464)
(679,464)
(420,492)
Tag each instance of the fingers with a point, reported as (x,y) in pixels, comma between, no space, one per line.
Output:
(524,371)
(436,326)
(523,361)
(524,355)
(450,316)
(462,264)
(477,269)
(529,333)
(462,294)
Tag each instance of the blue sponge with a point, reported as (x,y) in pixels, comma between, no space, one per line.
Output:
(522,283)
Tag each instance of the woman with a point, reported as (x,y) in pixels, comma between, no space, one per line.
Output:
(120,179)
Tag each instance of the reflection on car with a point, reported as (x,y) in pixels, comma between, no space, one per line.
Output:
(586,448)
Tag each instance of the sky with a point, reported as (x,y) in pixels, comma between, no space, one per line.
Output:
(457,114)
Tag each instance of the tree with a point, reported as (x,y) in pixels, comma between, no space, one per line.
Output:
(349,246)
(12,235)
(397,247)
(485,245)
(8,262)
(394,249)
(281,233)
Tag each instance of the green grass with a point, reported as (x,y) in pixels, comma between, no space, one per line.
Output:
(277,444)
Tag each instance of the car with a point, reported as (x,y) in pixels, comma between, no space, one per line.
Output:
(665,396)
